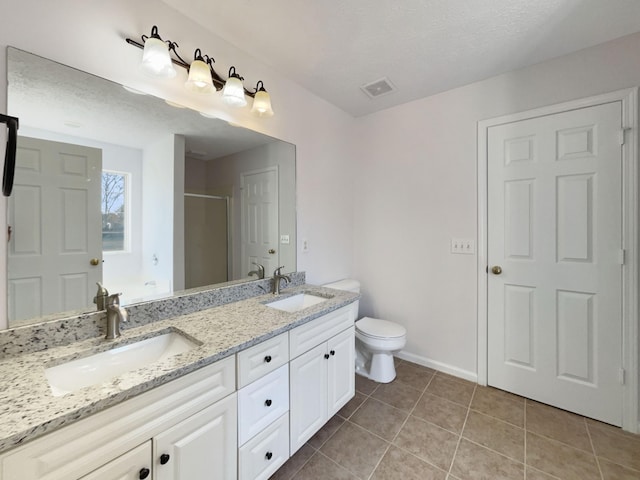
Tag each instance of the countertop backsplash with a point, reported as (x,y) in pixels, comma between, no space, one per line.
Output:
(55,333)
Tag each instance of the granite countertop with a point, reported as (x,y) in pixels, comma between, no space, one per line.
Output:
(28,409)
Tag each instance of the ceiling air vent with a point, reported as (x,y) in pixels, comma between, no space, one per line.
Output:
(378,88)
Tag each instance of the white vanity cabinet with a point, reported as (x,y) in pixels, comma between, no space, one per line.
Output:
(322,376)
(190,416)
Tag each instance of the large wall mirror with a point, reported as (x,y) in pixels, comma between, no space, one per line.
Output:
(128,190)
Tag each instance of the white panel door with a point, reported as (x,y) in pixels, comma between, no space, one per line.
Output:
(555,230)
(56,224)
(259,235)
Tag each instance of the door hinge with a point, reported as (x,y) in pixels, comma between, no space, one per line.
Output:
(621,133)
(621,256)
(621,376)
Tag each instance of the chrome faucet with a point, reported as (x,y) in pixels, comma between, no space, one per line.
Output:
(277,276)
(115,315)
(259,272)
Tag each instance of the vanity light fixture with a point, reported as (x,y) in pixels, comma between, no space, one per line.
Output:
(233,91)
(157,60)
(262,102)
(200,79)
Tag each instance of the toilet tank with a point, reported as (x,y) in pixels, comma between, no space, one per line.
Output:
(348,284)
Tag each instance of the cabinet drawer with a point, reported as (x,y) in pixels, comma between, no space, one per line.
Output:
(307,336)
(261,456)
(262,402)
(261,359)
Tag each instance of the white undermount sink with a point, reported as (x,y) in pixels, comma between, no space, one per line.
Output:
(296,302)
(92,370)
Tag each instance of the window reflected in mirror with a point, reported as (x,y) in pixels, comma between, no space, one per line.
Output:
(114,211)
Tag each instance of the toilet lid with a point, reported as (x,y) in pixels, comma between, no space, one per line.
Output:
(376,328)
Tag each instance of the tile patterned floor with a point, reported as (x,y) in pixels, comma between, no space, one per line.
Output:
(427,425)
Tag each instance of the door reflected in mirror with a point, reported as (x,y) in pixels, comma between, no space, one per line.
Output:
(126,190)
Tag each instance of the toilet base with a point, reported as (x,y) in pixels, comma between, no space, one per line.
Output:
(378,367)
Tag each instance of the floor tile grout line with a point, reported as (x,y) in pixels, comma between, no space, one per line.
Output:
(394,437)
(391,443)
(368,431)
(593,448)
(303,465)
(379,461)
(494,451)
(480,412)
(543,472)
(412,410)
(464,424)
(340,466)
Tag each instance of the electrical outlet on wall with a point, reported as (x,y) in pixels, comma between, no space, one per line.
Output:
(305,245)
(463,246)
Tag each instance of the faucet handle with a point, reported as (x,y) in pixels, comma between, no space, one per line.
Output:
(277,271)
(114,300)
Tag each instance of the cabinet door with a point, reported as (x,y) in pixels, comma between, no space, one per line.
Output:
(202,446)
(341,380)
(133,465)
(308,395)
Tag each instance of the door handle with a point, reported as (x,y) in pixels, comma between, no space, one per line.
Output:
(496,270)
(94,261)
(272,251)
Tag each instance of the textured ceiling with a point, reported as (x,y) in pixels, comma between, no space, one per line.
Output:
(51,96)
(332,47)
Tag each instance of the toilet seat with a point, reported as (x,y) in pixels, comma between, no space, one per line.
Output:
(378,329)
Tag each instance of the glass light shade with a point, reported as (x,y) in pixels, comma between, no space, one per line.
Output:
(156,60)
(262,104)
(233,93)
(199,77)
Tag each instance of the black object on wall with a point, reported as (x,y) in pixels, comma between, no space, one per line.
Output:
(10,153)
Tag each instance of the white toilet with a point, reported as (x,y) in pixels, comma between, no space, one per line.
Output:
(376,341)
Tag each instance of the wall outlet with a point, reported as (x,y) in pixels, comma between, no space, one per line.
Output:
(305,245)
(463,246)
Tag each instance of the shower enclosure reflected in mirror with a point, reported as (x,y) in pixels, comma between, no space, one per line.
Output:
(122,188)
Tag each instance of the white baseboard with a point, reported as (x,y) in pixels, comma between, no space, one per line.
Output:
(442,367)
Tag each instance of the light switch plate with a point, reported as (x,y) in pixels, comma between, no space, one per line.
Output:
(284,239)
(465,246)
